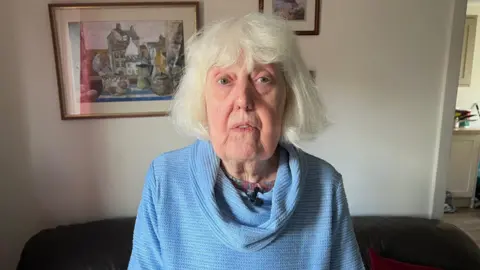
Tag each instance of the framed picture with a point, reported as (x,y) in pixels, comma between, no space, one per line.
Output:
(120,59)
(302,15)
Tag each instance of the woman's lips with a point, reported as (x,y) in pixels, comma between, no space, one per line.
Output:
(243,128)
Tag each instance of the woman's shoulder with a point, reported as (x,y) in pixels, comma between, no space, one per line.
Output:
(321,172)
(172,161)
(174,155)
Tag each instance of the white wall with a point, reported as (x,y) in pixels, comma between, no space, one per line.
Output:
(468,95)
(381,64)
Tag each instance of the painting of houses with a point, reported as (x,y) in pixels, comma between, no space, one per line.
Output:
(290,9)
(132,61)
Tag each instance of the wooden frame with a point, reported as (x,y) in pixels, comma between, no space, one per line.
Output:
(118,59)
(308,22)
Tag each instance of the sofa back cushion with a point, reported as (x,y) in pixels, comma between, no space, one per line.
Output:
(417,241)
(102,245)
(107,244)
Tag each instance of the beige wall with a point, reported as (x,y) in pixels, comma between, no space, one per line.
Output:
(381,65)
(468,95)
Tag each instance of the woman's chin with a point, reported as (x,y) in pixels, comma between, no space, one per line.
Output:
(243,152)
(242,156)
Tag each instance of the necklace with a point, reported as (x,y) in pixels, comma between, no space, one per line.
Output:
(251,190)
(249,187)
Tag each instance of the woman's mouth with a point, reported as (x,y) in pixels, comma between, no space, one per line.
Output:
(243,128)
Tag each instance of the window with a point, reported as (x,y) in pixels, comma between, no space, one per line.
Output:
(467,50)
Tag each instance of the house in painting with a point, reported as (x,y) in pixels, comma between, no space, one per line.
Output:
(174,44)
(118,41)
(131,59)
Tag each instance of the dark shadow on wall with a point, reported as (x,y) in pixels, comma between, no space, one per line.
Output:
(46,176)
(18,205)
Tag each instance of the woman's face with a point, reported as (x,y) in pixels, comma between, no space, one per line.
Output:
(245,110)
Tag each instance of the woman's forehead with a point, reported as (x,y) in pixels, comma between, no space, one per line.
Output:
(243,65)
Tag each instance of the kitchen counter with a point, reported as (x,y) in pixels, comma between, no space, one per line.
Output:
(471,130)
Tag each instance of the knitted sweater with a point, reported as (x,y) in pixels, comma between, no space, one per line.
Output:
(192,217)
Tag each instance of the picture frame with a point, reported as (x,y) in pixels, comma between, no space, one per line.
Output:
(119,59)
(302,15)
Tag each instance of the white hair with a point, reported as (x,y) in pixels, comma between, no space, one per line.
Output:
(259,38)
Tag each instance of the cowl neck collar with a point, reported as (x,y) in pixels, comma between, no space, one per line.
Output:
(204,169)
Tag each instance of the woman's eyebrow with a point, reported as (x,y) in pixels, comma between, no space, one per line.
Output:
(268,68)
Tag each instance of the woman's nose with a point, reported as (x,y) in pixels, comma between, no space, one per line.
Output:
(244,95)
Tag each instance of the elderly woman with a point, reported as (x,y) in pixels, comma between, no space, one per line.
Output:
(244,195)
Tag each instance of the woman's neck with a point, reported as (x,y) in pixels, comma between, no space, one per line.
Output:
(255,171)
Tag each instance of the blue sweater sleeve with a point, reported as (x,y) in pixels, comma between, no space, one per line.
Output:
(146,245)
(345,250)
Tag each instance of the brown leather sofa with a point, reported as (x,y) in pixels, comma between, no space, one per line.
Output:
(106,244)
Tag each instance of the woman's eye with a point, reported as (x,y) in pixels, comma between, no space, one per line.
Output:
(264,80)
(223,81)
